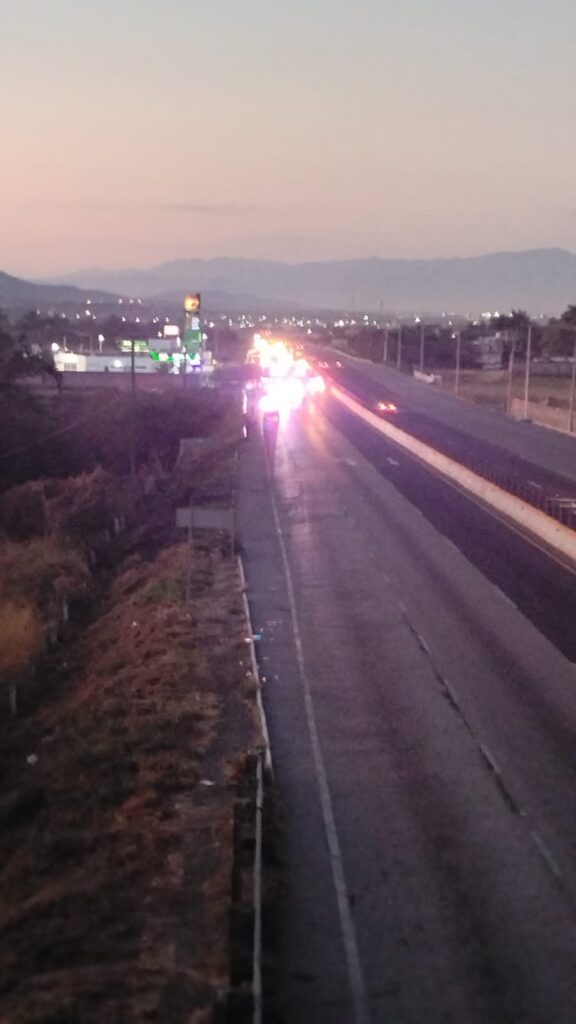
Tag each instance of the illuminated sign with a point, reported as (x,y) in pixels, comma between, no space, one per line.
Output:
(192,303)
(139,346)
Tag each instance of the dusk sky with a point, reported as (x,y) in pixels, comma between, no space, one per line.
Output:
(135,132)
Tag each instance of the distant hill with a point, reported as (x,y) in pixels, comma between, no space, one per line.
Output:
(539,280)
(19,296)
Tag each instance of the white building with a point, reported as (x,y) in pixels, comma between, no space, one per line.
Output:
(117,362)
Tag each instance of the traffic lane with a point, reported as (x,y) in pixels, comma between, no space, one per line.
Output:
(543,589)
(514,689)
(478,454)
(458,914)
(549,449)
(309,979)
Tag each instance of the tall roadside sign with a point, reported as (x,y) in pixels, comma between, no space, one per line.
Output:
(192,330)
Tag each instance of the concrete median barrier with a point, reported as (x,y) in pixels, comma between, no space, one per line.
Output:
(531,520)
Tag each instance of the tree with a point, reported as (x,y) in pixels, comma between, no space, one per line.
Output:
(559,337)
(514,326)
(569,316)
(22,354)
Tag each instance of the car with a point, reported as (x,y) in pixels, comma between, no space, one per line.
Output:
(386,407)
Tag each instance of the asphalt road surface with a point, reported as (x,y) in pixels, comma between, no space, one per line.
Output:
(423,733)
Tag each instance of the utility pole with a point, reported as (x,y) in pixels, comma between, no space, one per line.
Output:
(527,374)
(399,349)
(457,377)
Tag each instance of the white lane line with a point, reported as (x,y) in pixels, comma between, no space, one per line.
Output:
(536,838)
(489,758)
(546,854)
(355,973)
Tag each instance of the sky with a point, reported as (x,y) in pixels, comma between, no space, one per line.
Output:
(135,132)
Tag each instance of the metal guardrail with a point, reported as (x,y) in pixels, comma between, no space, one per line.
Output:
(242,1001)
(562,508)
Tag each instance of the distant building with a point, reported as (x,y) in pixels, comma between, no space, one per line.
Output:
(117,362)
(489,351)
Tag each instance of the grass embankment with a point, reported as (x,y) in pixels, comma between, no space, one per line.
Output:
(491,387)
(118,775)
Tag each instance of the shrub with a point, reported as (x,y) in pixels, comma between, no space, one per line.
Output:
(21,640)
(22,511)
(41,572)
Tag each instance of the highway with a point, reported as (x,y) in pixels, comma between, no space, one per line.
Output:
(537,465)
(421,698)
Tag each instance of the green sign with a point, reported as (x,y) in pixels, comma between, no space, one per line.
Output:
(192,341)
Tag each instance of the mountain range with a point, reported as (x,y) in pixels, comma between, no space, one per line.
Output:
(19,296)
(538,280)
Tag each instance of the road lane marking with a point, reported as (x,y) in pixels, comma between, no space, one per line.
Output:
(546,854)
(355,974)
(505,791)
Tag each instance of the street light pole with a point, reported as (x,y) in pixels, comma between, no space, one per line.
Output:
(527,375)
(510,377)
(421,346)
(386,343)
(399,349)
(132,433)
(457,377)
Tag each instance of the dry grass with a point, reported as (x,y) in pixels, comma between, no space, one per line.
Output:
(490,387)
(84,507)
(116,860)
(131,805)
